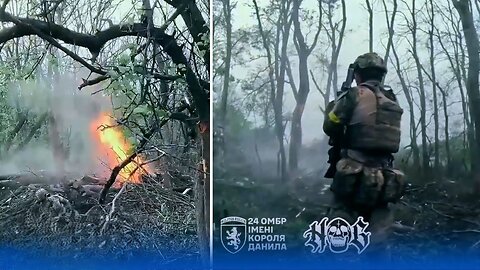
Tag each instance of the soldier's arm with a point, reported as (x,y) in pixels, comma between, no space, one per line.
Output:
(340,113)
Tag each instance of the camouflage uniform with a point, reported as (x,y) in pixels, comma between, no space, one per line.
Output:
(367,117)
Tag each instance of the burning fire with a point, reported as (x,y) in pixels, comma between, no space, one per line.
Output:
(113,148)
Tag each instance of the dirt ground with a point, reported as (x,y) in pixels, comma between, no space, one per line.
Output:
(432,218)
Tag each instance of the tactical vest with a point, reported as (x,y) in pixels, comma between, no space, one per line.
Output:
(375,121)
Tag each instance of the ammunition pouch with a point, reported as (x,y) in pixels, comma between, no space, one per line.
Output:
(394,187)
(345,179)
(367,187)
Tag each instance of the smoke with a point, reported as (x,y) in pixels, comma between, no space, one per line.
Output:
(72,111)
(258,151)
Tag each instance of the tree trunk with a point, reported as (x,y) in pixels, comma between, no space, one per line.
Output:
(198,29)
(202,194)
(455,66)
(332,69)
(228,56)
(197,26)
(423,107)
(390,26)
(462,77)
(445,113)
(277,86)
(304,85)
(370,25)
(21,120)
(59,153)
(413,127)
(38,124)
(447,135)
(278,102)
(434,91)
(473,48)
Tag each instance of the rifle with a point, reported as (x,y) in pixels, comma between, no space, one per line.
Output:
(334,153)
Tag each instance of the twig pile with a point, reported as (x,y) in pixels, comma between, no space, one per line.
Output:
(142,218)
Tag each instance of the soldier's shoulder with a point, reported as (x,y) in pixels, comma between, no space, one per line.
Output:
(351,92)
(342,95)
(388,92)
(349,97)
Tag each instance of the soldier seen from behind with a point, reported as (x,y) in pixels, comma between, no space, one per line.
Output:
(363,124)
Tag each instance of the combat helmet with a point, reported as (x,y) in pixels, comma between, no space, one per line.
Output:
(370,60)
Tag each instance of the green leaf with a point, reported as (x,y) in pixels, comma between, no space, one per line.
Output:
(142,109)
(112,74)
(162,113)
(124,59)
(123,69)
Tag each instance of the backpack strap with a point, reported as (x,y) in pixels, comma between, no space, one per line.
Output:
(386,90)
(373,88)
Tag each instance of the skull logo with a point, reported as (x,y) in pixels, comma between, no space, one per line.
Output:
(339,235)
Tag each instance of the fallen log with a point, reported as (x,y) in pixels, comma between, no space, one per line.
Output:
(81,192)
(10,184)
(37,177)
(91,190)
(87,180)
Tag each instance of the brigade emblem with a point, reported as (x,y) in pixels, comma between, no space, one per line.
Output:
(338,235)
(233,233)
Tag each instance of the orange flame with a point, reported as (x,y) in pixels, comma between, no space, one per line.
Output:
(113,147)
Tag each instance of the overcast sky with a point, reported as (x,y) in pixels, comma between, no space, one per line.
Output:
(355,43)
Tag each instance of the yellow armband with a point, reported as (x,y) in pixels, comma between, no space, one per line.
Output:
(333,118)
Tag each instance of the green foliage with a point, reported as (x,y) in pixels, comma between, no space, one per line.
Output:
(459,159)
(205,39)
(53,61)
(143,110)
(131,139)
(8,111)
(237,123)
(162,113)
